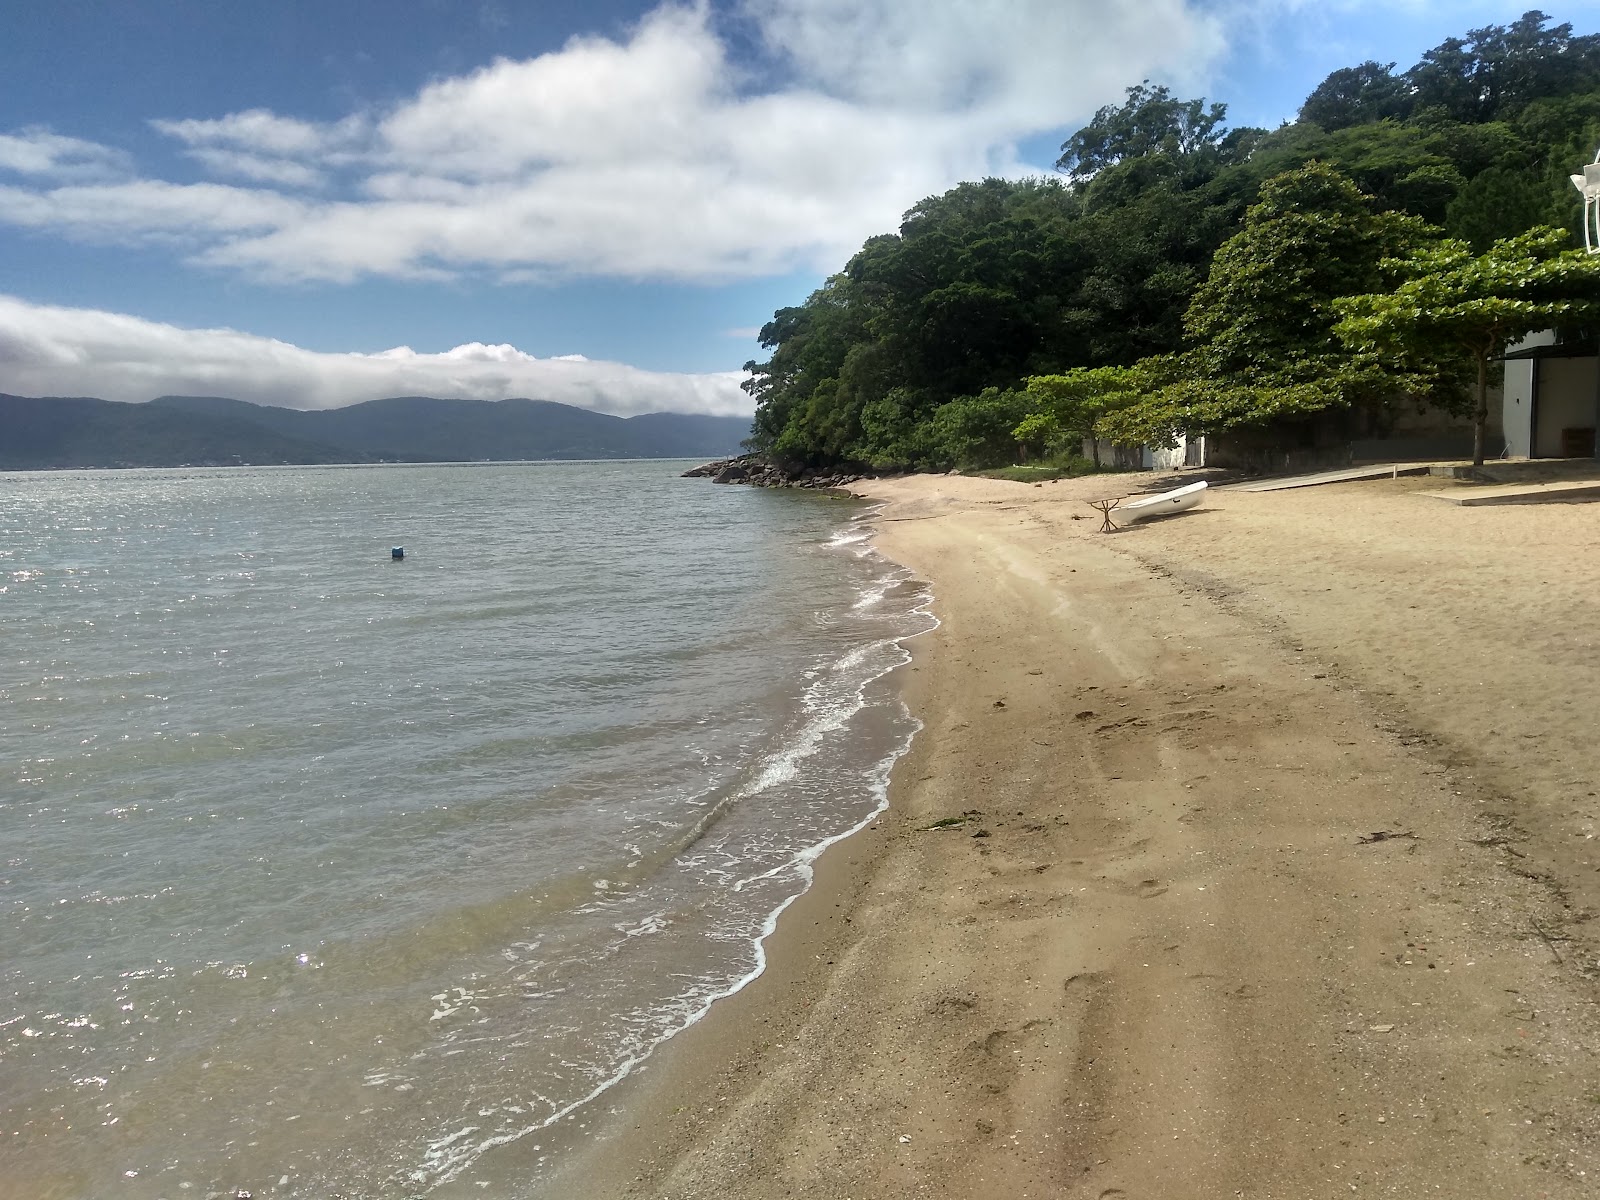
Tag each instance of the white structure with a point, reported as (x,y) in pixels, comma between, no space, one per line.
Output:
(1588,185)
(1189,452)
(1552,392)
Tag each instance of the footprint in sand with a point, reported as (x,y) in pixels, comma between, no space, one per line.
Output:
(1149,889)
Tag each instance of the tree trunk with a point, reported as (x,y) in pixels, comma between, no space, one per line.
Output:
(1480,418)
(1094,449)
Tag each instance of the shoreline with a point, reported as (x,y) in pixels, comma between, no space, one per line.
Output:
(647,1120)
(1174,958)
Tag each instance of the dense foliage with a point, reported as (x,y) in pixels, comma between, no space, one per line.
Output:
(1475,304)
(1179,275)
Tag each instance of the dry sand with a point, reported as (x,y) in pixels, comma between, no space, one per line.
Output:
(1275,877)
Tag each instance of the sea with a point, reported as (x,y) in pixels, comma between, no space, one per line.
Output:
(327,874)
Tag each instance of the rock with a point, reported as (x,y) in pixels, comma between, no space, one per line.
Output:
(758,471)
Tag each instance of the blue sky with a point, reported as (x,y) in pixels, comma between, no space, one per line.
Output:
(260,200)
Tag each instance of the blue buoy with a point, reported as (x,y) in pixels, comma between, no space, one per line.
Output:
(397,552)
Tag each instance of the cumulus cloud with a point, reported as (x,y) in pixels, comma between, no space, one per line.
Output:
(654,156)
(84,352)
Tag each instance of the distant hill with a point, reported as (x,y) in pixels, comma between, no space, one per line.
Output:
(59,431)
(214,430)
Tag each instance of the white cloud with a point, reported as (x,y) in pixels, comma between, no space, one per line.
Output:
(284,171)
(654,156)
(84,352)
(1017,67)
(262,132)
(36,151)
(144,207)
(260,145)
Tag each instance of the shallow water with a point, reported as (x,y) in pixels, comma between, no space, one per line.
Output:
(341,872)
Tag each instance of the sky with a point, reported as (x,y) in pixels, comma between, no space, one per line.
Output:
(318,202)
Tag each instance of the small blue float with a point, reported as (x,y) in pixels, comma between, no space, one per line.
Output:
(397,552)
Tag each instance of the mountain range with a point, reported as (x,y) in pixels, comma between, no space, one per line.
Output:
(171,431)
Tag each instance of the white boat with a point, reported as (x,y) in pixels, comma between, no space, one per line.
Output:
(1162,504)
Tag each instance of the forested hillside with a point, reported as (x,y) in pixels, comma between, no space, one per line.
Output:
(61,432)
(920,352)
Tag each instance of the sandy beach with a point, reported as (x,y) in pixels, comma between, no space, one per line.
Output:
(1248,853)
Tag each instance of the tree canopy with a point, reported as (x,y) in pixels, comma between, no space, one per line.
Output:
(1150,122)
(1451,300)
(1206,259)
(1261,328)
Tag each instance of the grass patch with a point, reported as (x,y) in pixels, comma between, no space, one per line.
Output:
(1069,467)
(1026,474)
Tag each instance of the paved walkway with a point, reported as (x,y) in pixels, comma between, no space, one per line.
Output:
(1375,471)
(1569,491)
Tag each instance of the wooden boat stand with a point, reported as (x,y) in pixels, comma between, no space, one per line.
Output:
(1104,506)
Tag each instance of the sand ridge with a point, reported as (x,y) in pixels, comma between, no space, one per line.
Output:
(1246,853)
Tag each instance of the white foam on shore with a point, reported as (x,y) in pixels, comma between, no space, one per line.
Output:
(851,535)
(446,1158)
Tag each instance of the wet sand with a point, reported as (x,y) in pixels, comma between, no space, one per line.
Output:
(1247,853)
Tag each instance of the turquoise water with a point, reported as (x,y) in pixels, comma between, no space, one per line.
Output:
(328,875)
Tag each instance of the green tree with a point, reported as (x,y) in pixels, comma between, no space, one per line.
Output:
(977,431)
(1150,121)
(1313,236)
(1261,327)
(1496,71)
(1072,404)
(809,344)
(1470,306)
(997,281)
(1357,96)
(1498,203)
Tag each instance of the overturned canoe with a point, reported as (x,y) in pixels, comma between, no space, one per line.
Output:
(1162,504)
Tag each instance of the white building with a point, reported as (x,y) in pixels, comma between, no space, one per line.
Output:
(1551,403)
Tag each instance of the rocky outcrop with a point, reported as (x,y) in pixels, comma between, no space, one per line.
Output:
(759,471)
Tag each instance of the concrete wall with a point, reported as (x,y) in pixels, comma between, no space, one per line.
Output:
(1129,458)
(1166,460)
(1566,401)
(1434,448)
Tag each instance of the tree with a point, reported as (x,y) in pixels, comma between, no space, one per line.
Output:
(1472,306)
(1357,96)
(1261,327)
(1496,71)
(1070,405)
(1501,202)
(977,431)
(1151,121)
(1313,236)
(997,281)
(809,345)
